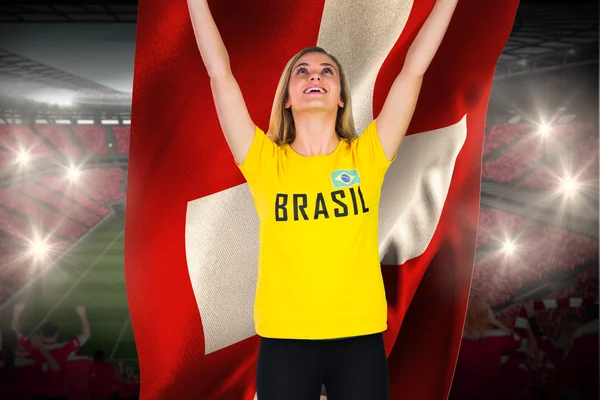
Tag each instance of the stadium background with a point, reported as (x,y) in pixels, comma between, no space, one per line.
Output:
(65,103)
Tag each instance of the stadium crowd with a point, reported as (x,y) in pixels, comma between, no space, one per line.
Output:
(524,361)
(41,368)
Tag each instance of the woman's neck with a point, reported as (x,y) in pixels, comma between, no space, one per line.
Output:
(315,135)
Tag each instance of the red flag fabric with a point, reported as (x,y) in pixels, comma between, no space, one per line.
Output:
(191,239)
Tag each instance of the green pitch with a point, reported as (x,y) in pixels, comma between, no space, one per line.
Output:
(91,276)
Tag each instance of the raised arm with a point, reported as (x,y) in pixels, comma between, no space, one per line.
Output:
(85,325)
(233,114)
(401,101)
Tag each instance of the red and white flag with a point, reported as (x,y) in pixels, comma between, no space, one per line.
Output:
(191,237)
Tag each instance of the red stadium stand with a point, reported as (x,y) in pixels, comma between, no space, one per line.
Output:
(495,225)
(60,137)
(16,138)
(568,250)
(39,214)
(538,255)
(65,205)
(531,148)
(499,135)
(6,158)
(102,185)
(581,164)
(68,189)
(14,227)
(53,209)
(121,133)
(92,138)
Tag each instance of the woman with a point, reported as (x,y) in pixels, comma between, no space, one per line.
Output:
(316,189)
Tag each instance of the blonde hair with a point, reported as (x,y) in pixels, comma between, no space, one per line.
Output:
(281,124)
(477,320)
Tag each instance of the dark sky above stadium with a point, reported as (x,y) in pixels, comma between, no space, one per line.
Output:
(102,53)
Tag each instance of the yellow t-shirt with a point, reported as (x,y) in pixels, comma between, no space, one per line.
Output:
(319,275)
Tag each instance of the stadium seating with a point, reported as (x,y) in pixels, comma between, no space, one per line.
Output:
(70,190)
(495,226)
(17,138)
(39,214)
(92,138)
(121,133)
(6,158)
(499,135)
(582,164)
(538,254)
(102,185)
(60,137)
(55,209)
(55,141)
(529,149)
(64,205)
(13,227)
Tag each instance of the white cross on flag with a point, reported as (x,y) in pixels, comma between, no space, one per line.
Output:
(191,237)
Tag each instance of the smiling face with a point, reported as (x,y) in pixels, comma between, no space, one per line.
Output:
(314,84)
(311,66)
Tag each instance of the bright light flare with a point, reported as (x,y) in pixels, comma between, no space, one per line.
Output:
(544,130)
(73,173)
(509,247)
(39,249)
(570,186)
(23,157)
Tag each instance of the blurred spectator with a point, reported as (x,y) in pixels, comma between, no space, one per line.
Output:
(79,372)
(101,384)
(18,371)
(478,373)
(580,370)
(53,384)
(127,384)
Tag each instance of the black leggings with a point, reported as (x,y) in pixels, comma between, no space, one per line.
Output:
(351,369)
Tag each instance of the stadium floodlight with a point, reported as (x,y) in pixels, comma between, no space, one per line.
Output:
(126,122)
(508,247)
(85,121)
(110,121)
(23,157)
(62,98)
(73,173)
(63,121)
(544,130)
(39,249)
(569,186)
